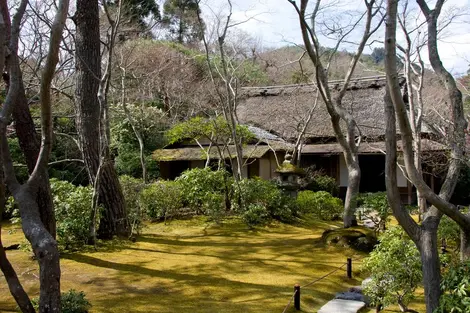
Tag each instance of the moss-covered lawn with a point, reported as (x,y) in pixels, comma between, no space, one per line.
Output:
(195,266)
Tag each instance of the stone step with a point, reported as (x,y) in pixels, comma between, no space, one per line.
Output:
(342,306)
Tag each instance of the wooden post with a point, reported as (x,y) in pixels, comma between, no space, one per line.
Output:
(349,268)
(297,297)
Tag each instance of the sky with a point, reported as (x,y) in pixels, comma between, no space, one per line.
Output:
(275,24)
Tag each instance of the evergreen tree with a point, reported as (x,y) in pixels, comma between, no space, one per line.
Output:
(180,17)
(140,12)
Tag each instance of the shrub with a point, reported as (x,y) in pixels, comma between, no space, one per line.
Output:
(374,206)
(255,214)
(321,204)
(11,211)
(315,180)
(455,286)
(265,194)
(214,207)
(395,268)
(161,199)
(71,302)
(72,210)
(131,189)
(74,302)
(198,185)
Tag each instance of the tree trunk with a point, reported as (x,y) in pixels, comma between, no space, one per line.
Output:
(44,248)
(464,245)
(30,144)
(350,203)
(113,219)
(430,264)
(14,284)
(87,107)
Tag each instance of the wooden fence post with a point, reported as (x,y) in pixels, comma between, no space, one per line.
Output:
(297,297)
(349,268)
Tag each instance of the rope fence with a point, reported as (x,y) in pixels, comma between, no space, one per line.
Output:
(296,295)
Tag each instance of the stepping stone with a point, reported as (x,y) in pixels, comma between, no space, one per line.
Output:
(354,296)
(343,306)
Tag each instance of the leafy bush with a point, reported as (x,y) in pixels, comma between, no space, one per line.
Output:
(375,207)
(255,214)
(198,185)
(321,204)
(11,211)
(131,188)
(74,302)
(161,199)
(395,268)
(315,180)
(455,286)
(214,207)
(71,302)
(72,209)
(266,194)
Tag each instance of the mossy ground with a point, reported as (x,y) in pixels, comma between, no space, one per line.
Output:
(196,266)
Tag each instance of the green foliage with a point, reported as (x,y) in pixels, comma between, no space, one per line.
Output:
(72,209)
(138,11)
(378,55)
(255,214)
(315,180)
(215,129)
(18,158)
(252,194)
(251,74)
(301,77)
(181,19)
(131,188)
(374,206)
(455,286)
(214,207)
(128,163)
(71,301)
(395,269)
(11,211)
(74,302)
(198,186)
(321,204)
(449,230)
(150,124)
(161,199)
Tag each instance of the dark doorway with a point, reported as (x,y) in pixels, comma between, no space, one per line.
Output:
(372,173)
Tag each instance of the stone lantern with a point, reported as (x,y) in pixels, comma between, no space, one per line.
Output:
(289,176)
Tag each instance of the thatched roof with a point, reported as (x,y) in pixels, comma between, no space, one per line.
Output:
(196,153)
(368,147)
(283,109)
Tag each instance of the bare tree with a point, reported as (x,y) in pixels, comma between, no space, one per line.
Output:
(425,234)
(349,139)
(225,82)
(43,243)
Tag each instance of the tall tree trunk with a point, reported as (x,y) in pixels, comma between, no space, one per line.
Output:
(28,138)
(429,252)
(350,202)
(44,248)
(88,119)
(30,144)
(43,243)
